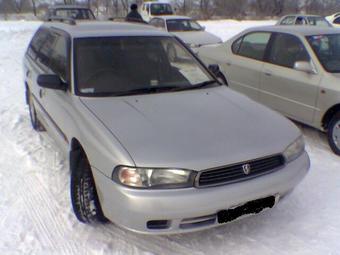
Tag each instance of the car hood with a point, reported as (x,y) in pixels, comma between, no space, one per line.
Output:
(198,37)
(195,129)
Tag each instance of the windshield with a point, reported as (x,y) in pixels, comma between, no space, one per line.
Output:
(183,25)
(78,14)
(318,21)
(114,66)
(161,9)
(327,49)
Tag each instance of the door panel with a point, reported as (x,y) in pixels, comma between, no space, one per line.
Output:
(289,91)
(244,75)
(244,67)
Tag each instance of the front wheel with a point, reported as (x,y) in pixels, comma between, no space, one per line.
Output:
(85,202)
(333,134)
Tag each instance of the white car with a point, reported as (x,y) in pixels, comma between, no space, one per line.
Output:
(292,69)
(153,9)
(187,29)
(334,19)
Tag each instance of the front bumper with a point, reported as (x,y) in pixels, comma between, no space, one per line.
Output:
(190,209)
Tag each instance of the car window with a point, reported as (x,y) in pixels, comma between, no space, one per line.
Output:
(236,45)
(44,55)
(300,21)
(78,14)
(327,49)
(161,9)
(254,45)
(288,20)
(153,22)
(183,25)
(161,23)
(286,50)
(36,42)
(58,60)
(109,66)
(318,21)
(337,21)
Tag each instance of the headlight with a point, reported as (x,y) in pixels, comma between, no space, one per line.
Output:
(294,150)
(156,178)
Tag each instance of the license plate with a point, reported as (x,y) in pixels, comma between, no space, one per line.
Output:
(252,207)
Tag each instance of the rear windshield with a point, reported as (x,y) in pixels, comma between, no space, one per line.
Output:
(183,25)
(113,66)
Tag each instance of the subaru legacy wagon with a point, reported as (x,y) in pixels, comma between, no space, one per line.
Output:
(155,144)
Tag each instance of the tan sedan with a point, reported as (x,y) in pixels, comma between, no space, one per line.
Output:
(294,70)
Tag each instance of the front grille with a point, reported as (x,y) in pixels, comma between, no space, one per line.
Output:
(239,172)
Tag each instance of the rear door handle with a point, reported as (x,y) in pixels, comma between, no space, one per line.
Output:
(228,63)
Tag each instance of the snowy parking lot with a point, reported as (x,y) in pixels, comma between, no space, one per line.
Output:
(35,209)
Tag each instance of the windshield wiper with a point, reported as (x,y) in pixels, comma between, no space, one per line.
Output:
(198,85)
(147,90)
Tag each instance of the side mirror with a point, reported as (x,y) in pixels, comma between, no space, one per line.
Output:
(51,81)
(304,66)
(215,69)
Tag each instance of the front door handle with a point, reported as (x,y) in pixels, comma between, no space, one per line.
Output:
(228,63)
(268,73)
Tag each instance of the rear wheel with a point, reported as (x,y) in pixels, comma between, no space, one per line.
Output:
(334,134)
(85,202)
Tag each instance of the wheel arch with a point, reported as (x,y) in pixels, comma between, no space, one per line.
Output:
(329,115)
(75,151)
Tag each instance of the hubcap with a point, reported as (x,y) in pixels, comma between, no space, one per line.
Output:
(336,134)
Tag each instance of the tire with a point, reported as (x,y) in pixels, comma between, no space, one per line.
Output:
(85,202)
(333,133)
(36,124)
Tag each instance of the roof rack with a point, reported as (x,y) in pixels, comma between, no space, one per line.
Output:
(67,20)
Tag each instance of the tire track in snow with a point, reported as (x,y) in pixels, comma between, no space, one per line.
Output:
(51,232)
(154,244)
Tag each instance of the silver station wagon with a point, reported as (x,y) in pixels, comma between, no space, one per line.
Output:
(156,144)
(294,70)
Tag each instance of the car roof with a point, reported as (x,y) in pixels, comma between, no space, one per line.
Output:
(67,7)
(105,28)
(303,15)
(170,17)
(298,30)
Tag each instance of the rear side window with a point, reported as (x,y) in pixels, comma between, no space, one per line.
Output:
(286,50)
(37,42)
(153,22)
(288,20)
(300,21)
(254,45)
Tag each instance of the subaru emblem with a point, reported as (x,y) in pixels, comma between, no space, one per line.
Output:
(246,169)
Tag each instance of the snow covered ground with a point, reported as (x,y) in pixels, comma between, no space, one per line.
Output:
(35,209)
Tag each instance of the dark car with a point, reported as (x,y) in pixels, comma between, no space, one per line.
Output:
(70,11)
